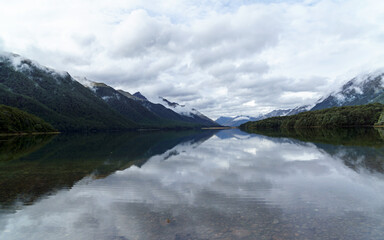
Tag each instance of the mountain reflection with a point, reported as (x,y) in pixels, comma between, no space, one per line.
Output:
(31,166)
(233,185)
(359,148)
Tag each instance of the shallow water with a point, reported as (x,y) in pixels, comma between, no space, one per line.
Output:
(193,185)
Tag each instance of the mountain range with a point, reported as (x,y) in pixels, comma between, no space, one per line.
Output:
(235,121)
(78,104)
(361,90)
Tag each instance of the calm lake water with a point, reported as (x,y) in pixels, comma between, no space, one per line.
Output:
(194,185)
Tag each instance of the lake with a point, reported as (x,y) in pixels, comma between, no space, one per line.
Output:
(227,184)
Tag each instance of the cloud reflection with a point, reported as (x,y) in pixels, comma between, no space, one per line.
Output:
(234,187)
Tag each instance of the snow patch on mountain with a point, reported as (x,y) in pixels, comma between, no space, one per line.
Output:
(363,89)
(367,76)
(22,64)
(239,118)
(181,109)
(86,83)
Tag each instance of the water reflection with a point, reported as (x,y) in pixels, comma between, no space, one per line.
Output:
(362,149)
(28,170)
(231,186)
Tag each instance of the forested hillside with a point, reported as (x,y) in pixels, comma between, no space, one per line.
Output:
(348,116)
(13,120)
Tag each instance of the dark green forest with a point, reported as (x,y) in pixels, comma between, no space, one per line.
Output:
(13,120)
(347,116)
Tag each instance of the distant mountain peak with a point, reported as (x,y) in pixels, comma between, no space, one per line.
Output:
(186,111)
(171,104)
(140,96)
(235,121)
(22,64)
(127,94)
(363,89)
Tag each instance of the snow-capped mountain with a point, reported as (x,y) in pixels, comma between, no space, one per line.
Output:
(138,108)
(235,121)
(188,112)
(286,112)
(363,89)
(238,120)
(26,65)
(139,96)
(79,104)
(55,97)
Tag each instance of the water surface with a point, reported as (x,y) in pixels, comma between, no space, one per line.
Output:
(194,185)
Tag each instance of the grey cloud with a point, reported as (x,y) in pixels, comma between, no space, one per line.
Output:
(140,33)
(84,40)
(224,54)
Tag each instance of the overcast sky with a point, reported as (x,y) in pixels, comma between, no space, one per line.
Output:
(221,57)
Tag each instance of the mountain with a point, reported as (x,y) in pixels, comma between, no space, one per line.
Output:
(192,114)
(238,120)
(79,104)
(139,96)
(235,121)
(123,103)
(363,89)
(55,97)
(286,112)
(345,116)
(13,120)
(136,107)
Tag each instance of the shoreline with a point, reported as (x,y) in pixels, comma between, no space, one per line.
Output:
(24,133)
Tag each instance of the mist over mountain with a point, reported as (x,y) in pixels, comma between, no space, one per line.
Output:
(363,89)
(235,121)
(81,104)
(190,113)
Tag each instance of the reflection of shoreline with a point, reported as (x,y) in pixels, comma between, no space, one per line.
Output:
(369,137)
(69,158)
(358,148)
(17,146)
(25,134)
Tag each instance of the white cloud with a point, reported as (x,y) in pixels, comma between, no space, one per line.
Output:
(261,51)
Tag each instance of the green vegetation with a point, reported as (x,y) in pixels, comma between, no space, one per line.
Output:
(380,122)
(348,116)
(57,99)
(70,107)
(13,120)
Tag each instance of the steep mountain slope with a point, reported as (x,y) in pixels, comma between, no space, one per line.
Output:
(55,97)
(238,120)
(192,114)
(223,121)
(13,120)
(346,116)
(363,89)
(124,105)
(161,111)
(136,107)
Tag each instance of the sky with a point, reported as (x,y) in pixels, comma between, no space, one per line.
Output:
(224,58)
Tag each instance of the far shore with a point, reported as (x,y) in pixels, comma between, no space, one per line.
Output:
(212,128)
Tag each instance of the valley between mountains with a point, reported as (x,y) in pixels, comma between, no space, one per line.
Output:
(43,99)
(76,104)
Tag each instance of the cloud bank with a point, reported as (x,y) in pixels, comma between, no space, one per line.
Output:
(221,57)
